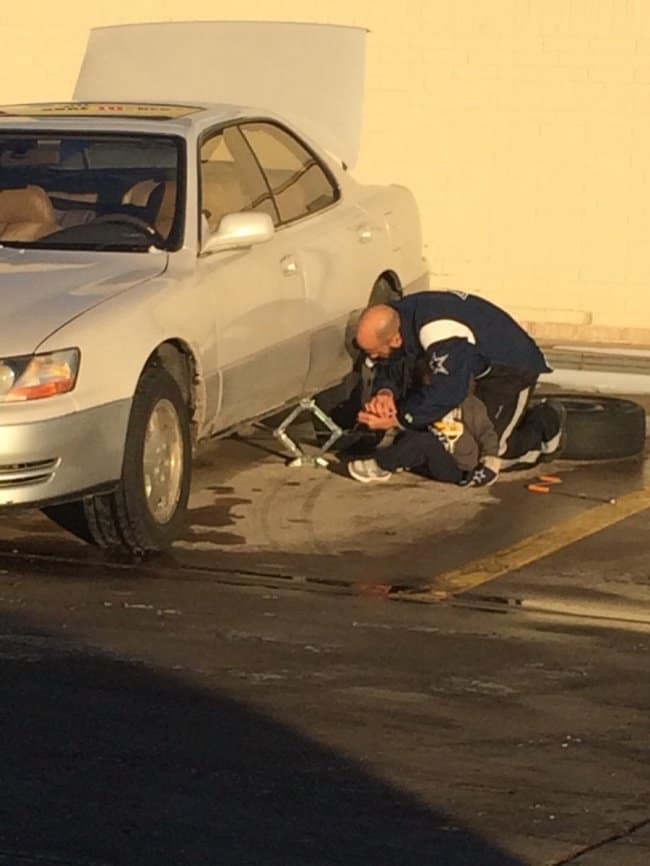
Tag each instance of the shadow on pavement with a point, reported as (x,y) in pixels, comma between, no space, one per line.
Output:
(108,761)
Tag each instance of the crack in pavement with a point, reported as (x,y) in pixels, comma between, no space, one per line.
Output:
(615,837)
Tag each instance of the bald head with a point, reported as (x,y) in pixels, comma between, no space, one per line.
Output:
(378,331)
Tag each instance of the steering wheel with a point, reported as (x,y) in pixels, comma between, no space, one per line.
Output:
(130,219)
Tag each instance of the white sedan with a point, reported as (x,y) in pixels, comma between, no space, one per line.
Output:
(166,273)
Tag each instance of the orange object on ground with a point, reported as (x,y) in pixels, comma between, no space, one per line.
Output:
(543,488)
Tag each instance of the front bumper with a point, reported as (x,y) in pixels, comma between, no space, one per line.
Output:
(48,461)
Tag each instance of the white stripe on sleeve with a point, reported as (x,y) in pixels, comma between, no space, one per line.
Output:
(444,329)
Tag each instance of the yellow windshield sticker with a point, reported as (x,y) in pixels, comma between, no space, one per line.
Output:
(98,109)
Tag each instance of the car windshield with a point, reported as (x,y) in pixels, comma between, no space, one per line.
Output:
(91,192)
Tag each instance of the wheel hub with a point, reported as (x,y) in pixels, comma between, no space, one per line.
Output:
(162,461)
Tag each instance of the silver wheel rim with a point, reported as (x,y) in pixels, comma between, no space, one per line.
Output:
(162,461)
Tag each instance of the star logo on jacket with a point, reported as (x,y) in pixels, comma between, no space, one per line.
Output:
(437,364)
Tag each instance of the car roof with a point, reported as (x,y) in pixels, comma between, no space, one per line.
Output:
(125,116)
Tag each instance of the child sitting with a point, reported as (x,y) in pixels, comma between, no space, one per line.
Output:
(460,448)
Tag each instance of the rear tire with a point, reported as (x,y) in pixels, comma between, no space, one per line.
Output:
(601,428)
(384,291)
(344,401)
(146,512)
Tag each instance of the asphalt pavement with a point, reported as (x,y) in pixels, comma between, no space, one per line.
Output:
(324,673)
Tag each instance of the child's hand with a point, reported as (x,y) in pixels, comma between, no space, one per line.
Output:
(382,404)
(375,422)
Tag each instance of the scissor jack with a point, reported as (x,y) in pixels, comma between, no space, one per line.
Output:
(301,458)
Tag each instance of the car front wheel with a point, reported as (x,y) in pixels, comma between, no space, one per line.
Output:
(146,512)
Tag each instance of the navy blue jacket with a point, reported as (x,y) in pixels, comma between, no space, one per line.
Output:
(460,336)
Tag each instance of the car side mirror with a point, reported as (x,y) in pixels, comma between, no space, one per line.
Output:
(238,231)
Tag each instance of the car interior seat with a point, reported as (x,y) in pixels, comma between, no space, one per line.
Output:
(26,214)
(159,200)
(221,192)
(167,208)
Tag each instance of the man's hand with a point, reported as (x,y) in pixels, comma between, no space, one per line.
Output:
(375,422)
(382,405)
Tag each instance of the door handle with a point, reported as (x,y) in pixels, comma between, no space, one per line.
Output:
(365,234)
(289,266)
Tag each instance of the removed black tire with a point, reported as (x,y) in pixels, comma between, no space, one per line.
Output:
(146,512)
(601,428)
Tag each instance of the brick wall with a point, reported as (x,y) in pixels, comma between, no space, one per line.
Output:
(522,126)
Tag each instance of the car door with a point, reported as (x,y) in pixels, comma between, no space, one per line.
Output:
(262,345)
(331,236)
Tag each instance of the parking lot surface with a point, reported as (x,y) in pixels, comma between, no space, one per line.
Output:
(254,517)
(321,672)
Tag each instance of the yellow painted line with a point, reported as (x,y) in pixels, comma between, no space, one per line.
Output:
(530,549)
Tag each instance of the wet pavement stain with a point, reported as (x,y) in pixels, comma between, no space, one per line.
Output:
(207,521)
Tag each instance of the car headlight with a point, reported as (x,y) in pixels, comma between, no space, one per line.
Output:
(32,377)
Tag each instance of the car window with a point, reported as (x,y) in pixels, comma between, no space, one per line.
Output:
(299,184)
(115,154)
(231,179)
(100,191)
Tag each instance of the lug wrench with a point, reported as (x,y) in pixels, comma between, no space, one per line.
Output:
(542,488)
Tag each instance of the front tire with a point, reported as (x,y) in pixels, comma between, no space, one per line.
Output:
(147,511)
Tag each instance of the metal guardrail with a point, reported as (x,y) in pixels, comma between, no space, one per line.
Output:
(611,362)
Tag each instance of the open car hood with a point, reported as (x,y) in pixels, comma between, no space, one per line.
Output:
(311,74)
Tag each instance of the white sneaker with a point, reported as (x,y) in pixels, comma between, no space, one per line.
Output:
(367,471)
